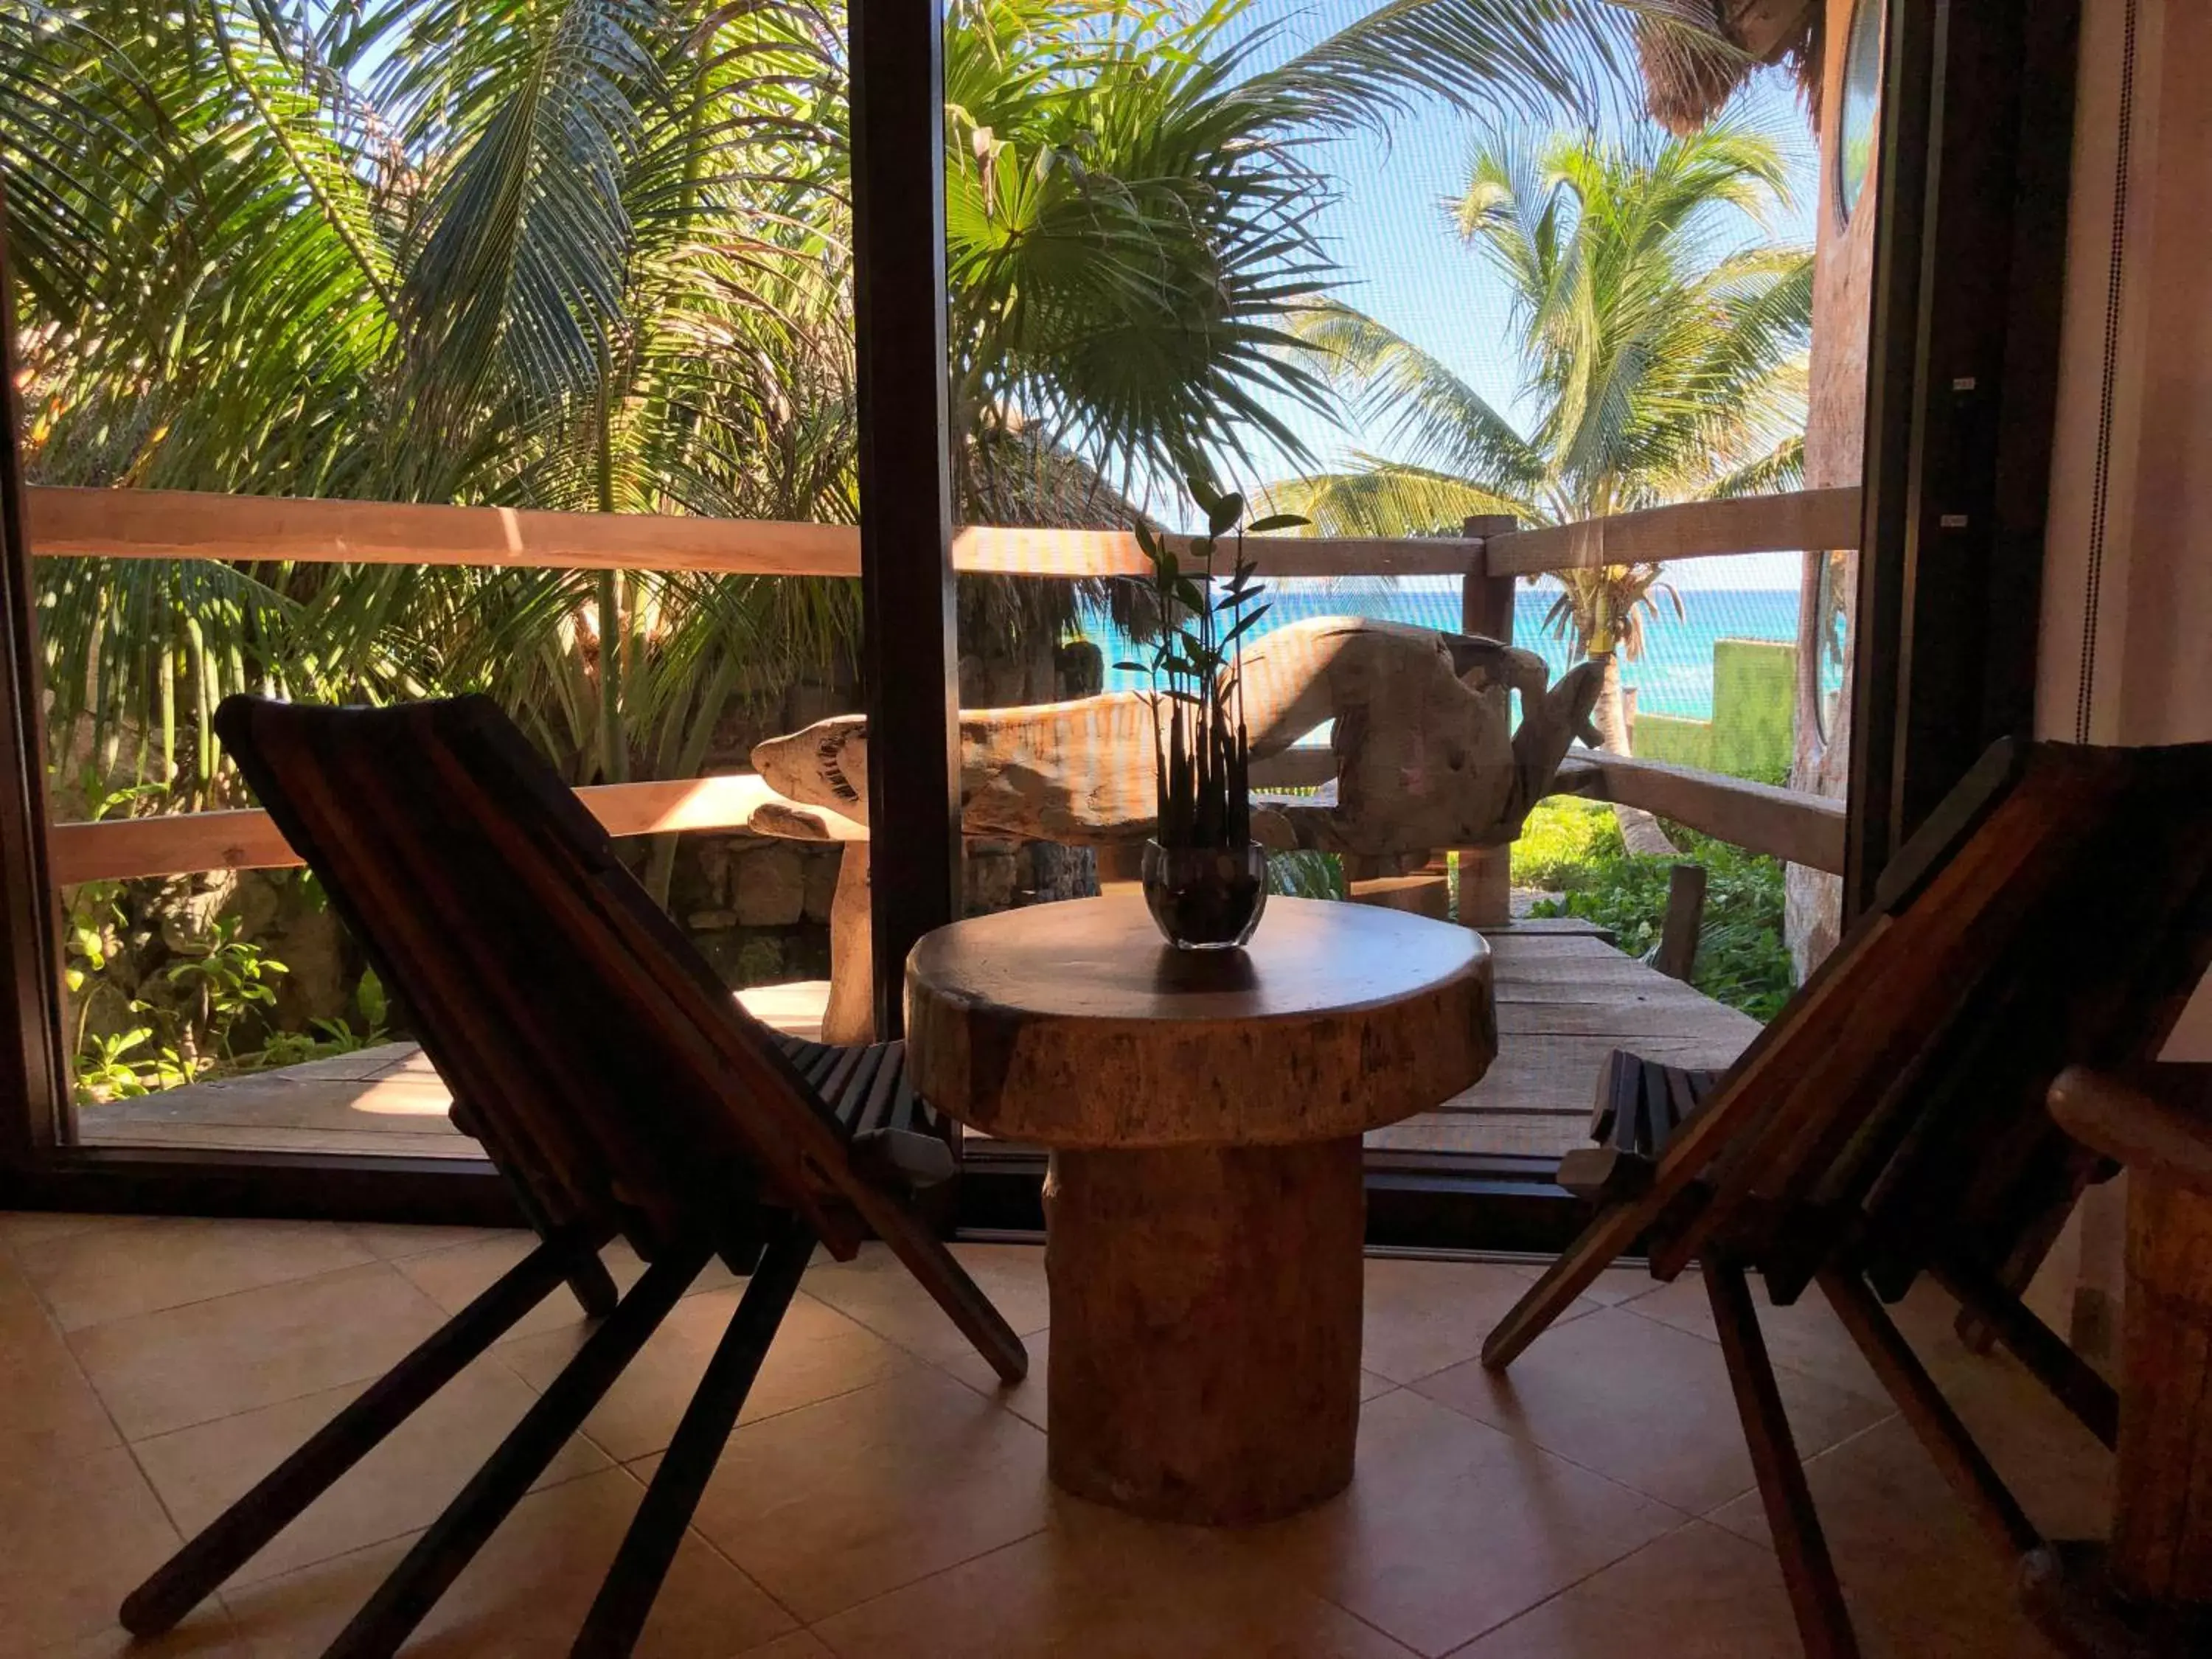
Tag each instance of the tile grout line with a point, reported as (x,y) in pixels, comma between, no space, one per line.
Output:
(370,1260)
(889,1590)
(1688,1520)
(1610,1480)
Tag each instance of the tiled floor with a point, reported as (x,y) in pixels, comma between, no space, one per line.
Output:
(883,1500)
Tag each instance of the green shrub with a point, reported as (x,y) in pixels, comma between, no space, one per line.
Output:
(1307,874)
(1741,958)
(1562,838)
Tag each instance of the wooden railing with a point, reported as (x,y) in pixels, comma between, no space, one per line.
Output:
(1693,530)
(181,843)
(171,523)
(177,524)
(1789,824)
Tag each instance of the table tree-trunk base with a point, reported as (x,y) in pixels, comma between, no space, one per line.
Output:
(1206,1322)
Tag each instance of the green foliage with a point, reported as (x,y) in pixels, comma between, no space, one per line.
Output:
(595,254)
(1561,836)
(225,979)
(121,1065)
(1307,874)
(1741,958)
(1201,755)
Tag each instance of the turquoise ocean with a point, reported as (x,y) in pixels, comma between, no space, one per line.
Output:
(1674,677)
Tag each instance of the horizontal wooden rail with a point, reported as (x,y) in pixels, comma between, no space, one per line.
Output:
(1787,824)
(170,524)
(1805,519)
(184,843)
(1803,828)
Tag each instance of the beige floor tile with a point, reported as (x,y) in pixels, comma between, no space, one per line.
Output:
(525,1594)
(206,1633)
(398,1488)
(799,1644)
(2056,1467)
(112,1272)
(190,1364)
(1806,1336)
(77,1534)
(1699,1593)
(1450,1527)
(1423,1316)
(393,1241)
(1612,1287)
(2059,1472)
(877,1291)
(833,1504)
(1909,1558)
(818,1354)
(51,1409)
(1025,1398)
(23,1228)
(1104,1586)
(455,1276)
(1644,1404)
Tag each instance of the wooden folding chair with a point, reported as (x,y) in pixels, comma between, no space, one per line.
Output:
(2056,910)
(616,1085)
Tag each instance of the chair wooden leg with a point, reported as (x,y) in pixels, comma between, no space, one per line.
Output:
(2069,1377)
(1929,1415)
(1600,1246)
(925,1257)
(1823,1624)
(626,1596)
(594,1287)
(233,1538)
(439,1556)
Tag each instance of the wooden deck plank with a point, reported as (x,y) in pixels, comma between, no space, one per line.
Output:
(1563,1002)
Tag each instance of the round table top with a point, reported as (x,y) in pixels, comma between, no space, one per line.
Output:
(1076,1025)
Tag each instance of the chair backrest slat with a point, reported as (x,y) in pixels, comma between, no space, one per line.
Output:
(589,1046)
(1907,1074)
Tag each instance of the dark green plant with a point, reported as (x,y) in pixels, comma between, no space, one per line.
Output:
(1741,957)
(227,979)
(1200,749)
(1307,873)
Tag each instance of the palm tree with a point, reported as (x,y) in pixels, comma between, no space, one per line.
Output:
(593,254)
(576,255)
(1663,360)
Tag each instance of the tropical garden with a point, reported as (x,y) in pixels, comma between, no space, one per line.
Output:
(595,255)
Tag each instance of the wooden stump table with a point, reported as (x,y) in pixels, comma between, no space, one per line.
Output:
(1205,1210)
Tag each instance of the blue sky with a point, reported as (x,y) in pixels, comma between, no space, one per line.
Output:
(1402,263)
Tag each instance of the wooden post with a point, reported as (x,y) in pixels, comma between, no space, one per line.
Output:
(1686,920)
(34,1072)
(2162,1527)
(2155,1582)
(1485,607)
(909,656)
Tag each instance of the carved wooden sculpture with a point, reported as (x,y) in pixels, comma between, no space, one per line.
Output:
(1427,755)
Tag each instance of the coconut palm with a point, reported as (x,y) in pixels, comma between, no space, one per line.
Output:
(593,254)
(1662,354)
(575,256)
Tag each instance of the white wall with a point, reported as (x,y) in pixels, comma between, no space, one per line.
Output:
(2126,653)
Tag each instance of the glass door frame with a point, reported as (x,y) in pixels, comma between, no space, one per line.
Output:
(1962,382)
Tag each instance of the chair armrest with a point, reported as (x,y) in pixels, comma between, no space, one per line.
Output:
(2159,1119)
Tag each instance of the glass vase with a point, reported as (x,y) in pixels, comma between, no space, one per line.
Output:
(1206,899)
